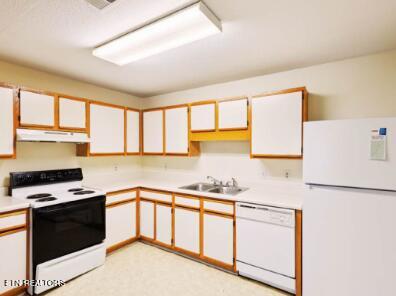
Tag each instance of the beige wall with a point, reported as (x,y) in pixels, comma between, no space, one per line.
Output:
(42,156)
(359,87)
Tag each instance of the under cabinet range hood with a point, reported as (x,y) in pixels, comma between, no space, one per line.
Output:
(26,135)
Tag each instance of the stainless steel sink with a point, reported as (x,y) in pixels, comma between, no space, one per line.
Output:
(199,187)
(227,190)
(211,188)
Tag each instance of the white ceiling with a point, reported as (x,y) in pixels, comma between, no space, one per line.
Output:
(259,37)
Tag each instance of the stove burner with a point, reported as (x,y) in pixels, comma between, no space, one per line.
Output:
(51,198)
(75,190)
(84,192)
(39,195)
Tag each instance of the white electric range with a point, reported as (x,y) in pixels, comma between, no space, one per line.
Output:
(67,225)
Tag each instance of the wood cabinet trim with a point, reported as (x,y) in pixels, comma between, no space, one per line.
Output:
(242,128)
(298,249)
(120,203)
(122,191)
(280,92)
(68,128)
(304,119)
(121,244)
(126,131)
(105,104)
(13,213)
(15,118)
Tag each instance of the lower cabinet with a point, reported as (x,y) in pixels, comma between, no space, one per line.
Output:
(13,260)
(120,224)
(218,238)
(147,219)
(187,230)
(163,224)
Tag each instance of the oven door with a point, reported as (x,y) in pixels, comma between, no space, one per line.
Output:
(66,228)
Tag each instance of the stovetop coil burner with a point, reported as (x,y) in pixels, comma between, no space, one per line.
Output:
(51,198)
(38,195)
(75,189)
(84,192)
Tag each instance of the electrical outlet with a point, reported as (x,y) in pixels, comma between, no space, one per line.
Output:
(287,173)
(116,168)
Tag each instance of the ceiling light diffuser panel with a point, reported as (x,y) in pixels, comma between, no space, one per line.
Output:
(190,24)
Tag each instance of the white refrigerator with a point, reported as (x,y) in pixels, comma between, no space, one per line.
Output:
(349,211)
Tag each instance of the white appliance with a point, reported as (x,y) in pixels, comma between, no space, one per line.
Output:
(349,240)
(26,135)
(67,225)
(266,244)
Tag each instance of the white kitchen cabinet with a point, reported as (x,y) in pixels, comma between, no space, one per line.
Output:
(233,114)
(12,258)
(203,117)
(72,113)
(187,230)
(147,219)
(277,125)
(36,109)
(6,122)
(106,129)
(164,224)
(133,131)
(219,238)
(120,223)
(176,130)
(153,132)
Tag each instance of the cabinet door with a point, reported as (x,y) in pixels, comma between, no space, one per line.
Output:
(147,219)
(219,238)
(153,133)
(133,131)
(120,223)
(106,129)
(176,130)
(203,117)
(72,113)
(233,114)
(12,258)
(277,125)
(164,224)
(187,230)
(6,122)
(36,109)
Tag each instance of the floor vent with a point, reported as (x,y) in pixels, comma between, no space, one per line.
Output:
(100,4)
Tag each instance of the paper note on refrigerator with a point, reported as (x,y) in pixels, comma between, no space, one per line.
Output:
(378,144)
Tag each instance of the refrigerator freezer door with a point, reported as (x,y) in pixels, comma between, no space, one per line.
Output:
(349,243)
(338,153)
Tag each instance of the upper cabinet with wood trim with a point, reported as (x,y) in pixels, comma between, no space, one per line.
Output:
(132,131)
(277,124)
(36,109)
(7,119)
(153,132)
(106,129)
(233,114)
(72,113)
(203,116)
(176,130)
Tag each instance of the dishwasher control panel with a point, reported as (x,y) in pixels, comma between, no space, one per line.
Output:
(278,216)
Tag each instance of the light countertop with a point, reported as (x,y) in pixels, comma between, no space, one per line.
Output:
(284,194)
(7,204)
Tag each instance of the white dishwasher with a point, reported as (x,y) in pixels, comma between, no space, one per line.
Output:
(266,244)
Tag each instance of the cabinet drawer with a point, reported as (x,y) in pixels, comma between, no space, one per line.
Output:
(221,207)
(187,201)
(13,219)
(118,197)
(165,197)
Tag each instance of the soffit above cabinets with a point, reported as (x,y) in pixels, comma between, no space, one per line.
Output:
(259,37)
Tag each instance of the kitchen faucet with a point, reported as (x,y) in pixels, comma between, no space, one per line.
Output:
(214,181)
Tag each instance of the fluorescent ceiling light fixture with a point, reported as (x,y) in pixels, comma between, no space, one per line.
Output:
(192,23)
